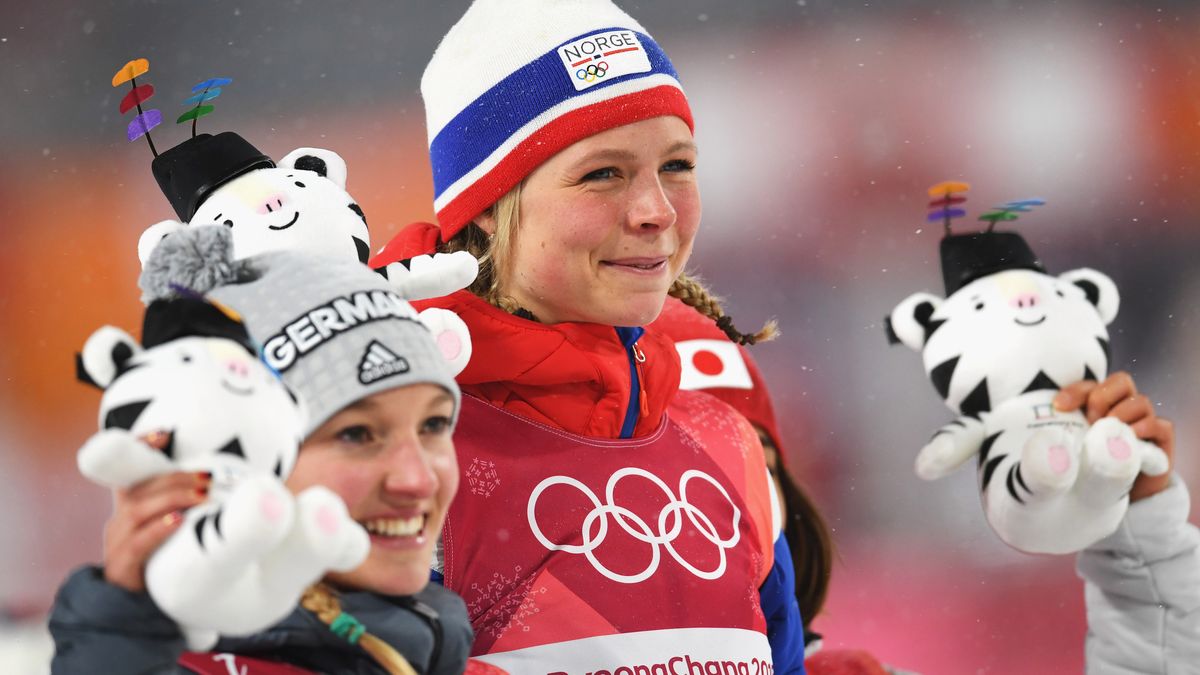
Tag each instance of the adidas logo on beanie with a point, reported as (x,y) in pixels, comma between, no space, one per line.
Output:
(335,330)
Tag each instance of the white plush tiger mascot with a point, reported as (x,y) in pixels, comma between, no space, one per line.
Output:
(299,204)
(997,350)
(241,560)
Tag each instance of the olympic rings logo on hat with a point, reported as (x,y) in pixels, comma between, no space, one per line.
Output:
(592,72)
(668,524)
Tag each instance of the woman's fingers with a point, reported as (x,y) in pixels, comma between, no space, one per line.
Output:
(143,517)
(1117,396)
(183,492)
(166,483)
(1115,388)
(1073,396)
(1133,409)
(125,561)
(1158,431)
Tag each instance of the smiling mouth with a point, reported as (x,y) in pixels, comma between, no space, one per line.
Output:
(289,224)
(640,265)
(396,527)
(1031,323)
(240,391)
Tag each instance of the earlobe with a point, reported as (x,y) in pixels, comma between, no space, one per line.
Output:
(486,221)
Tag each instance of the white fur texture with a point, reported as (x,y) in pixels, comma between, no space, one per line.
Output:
(451,335)
(282,208)
(241,560)
(433,276)
(997,350)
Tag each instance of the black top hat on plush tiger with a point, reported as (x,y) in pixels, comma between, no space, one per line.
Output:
(969,256)
(189,315)
(973,255)
(190,171)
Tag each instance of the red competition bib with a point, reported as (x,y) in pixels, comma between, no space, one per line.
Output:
(584,555)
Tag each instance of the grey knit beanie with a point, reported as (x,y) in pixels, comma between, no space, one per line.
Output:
(335,331)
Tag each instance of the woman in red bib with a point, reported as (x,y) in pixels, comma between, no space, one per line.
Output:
(607,522)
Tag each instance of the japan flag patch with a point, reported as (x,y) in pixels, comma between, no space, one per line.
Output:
(709,364)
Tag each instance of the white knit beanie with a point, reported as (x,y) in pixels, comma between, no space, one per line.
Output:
(516,81)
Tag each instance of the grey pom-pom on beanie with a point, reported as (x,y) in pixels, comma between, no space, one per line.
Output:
(198,258)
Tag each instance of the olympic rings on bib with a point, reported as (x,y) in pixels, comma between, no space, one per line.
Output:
(666,527)
(592,72)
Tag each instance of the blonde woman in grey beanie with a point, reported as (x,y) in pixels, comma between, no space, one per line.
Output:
(382,403)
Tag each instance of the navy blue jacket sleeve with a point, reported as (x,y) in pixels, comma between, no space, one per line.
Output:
(100,628)
(785,630)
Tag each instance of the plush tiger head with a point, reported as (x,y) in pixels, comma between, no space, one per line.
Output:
(223,410)
(301,204)
(1010,332)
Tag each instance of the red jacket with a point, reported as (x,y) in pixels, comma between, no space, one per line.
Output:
(574,376)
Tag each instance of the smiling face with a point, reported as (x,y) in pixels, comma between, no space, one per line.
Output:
(287,208)
(605,226)
(1011,329)
(209,395)
(391,459)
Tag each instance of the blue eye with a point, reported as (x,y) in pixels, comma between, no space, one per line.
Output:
(600,174)
(679,166)
(438,424)
(355,435)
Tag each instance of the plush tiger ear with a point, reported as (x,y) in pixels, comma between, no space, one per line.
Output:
(326,163)
(912,320)
(154,234)
(1099,289)
(105,354)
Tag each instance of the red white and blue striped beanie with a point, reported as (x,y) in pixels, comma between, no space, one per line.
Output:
(516,81)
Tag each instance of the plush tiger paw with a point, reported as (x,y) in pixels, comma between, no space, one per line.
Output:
(255,517)
(1114,459)
(432,276)
(949,448)
(451,335)
(333,539)
(1049,463)
(115,458)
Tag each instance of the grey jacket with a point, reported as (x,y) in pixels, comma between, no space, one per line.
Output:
(1143,591)
(100,628)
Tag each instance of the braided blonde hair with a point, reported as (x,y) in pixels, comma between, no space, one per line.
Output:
(323,602)
(493,252)
(693,294)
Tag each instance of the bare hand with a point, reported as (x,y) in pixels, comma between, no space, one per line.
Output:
(144,515)
(1117,396)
